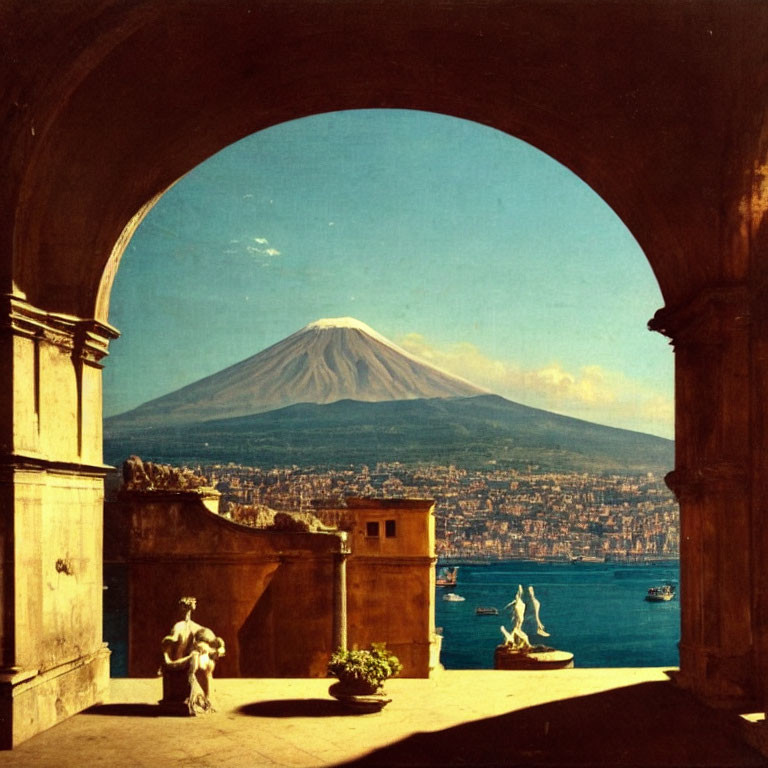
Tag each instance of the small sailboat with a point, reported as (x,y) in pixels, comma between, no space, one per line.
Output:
(661,594)
(446,577)
(452,597)
(486,610)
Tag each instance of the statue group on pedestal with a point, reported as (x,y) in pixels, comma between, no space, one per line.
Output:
(518,640)
(190,653)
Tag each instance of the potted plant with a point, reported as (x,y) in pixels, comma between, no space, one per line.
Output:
(361,675)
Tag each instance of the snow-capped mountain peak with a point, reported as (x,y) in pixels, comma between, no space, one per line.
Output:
(328,360)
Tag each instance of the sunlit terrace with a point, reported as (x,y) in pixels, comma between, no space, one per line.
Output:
(627,717)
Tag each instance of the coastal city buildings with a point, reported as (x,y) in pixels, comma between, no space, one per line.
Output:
(498,514)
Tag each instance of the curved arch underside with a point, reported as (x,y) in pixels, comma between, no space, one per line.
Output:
(658,106)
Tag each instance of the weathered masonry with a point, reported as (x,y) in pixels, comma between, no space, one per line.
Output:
(659,106)
(283,600)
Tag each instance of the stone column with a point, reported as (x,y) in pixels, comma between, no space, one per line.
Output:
(53,661)
(711,481)
(340,594)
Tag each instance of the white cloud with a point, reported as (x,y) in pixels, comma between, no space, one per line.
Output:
(592,392)
(258,250)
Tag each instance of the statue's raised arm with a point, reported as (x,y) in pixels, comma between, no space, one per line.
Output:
(536,607)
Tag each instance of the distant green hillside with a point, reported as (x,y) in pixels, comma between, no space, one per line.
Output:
(471,432)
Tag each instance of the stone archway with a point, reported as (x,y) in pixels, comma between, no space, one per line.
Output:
(659,108)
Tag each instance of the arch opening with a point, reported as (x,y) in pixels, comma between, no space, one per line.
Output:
(421,272)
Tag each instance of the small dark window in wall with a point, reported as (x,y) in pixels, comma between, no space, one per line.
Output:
(390,529)
(372,529)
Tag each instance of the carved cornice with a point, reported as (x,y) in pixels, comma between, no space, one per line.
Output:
(713,479)
(24,462)
(86,339)
(706,318)
(92,340)
(371,504)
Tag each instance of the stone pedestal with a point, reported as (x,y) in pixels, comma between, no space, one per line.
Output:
(507,658)
(175,692)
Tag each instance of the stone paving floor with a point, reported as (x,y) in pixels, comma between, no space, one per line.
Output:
(576,717)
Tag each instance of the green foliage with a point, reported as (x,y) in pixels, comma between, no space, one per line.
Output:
(369,668)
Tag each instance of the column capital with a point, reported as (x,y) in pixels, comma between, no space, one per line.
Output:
(86,339)
(707,317)
(344,548)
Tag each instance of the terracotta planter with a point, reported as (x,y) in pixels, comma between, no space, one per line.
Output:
(359,697)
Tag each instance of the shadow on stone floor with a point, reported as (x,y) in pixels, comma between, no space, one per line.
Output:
(648,724)
(128,710)
(297,708)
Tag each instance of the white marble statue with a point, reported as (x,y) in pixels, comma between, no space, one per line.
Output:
(518,639)
(190,653)
(536,606)
(516,609)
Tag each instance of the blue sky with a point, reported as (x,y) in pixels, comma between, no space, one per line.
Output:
(462,244)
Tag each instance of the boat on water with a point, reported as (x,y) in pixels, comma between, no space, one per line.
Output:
(446,577)
(661,594)
(452,597)
(586,559)
(486,610)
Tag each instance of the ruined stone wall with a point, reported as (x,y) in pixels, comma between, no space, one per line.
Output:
(268,594)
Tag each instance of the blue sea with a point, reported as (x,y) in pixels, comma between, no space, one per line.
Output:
(596,611)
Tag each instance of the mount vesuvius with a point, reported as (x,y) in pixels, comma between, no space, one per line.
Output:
(337,392)
(328,360)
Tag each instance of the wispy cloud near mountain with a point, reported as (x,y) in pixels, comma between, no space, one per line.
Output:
(591,392)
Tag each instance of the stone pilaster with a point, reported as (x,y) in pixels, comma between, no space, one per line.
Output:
(759,473)
(53,662)
(711,480)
